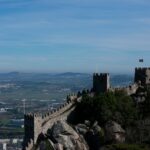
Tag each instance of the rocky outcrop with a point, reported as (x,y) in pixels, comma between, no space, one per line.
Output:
(114,133)
(65,137)
(46,144)
(93,134)
(82,129)
(81,137)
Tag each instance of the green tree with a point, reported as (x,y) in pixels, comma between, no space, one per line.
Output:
(108,106)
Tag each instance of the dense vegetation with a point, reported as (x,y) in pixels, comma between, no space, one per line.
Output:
(109,106)
(117,106)
(145,106)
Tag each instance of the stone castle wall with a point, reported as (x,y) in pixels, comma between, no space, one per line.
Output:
(35,124)
(142,75)
(61,115)
(101,82)
(129,90)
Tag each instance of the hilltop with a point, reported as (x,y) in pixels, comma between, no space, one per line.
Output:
(101,117)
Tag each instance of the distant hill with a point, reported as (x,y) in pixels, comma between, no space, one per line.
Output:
(13,73)
(72,74)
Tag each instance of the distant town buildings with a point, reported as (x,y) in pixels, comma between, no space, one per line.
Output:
(11,144)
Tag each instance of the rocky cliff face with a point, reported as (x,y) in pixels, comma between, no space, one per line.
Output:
(114,133)
(62,137)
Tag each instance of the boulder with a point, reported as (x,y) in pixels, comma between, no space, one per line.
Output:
(87,123)
(59,146)
(97,129)
(46,144)
(114,133)
(61,127)
(66,138)
(81,129)
(95,123)
(95,136)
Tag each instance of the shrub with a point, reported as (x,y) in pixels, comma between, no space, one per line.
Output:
(108,106)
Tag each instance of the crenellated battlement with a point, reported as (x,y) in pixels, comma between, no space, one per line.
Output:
(36,123)
(101,82)
(142,75)
(129,90)
(32,115)
(142,68)
(103,75)
(32,124)
(48,115)
(30,145)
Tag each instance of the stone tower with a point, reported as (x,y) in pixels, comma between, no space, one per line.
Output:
(32,124)
(101,82)
(142,75)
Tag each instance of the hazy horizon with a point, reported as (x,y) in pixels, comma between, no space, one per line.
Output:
(61,73)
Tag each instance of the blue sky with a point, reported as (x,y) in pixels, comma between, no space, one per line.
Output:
(74,35)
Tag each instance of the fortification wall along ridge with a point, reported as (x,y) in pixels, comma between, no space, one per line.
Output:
(38,123)
(101,82)
(142,75)
(129,90)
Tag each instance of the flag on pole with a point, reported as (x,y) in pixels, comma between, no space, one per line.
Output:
(141,60)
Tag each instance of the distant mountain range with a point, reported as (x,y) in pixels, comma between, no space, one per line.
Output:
(72,74)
